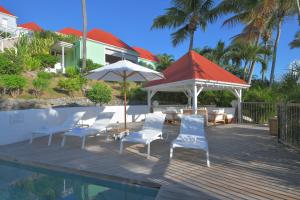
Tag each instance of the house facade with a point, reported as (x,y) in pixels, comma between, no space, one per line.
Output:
(8,21)
(102,47)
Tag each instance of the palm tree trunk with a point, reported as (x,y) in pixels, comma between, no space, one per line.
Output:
(245,70)
(84,16)
(263,71)
(298,10)
(191,40)
(253,62)
(275,51)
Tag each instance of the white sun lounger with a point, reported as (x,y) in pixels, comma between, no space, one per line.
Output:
(101,124)
(152,130)
(192,135)
(69,123)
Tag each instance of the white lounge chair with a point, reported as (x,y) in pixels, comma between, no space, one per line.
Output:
(69,123)
(101,124)
(192,135)
(152,130)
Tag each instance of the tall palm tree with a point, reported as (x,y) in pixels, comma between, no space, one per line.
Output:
(84,16)
(296,42)
(283,9)
(298,10)
(165,60)
(186,16)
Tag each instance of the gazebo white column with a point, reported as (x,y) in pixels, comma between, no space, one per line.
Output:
(150,94)
(63,58)
(189,95)
(196,93)
(238,94)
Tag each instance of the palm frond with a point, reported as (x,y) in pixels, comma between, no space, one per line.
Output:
(180,35)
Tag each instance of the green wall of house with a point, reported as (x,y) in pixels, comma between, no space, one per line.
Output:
(95,52)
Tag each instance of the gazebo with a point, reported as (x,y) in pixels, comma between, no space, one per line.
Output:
(192,74)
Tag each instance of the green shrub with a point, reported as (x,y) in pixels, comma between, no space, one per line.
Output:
(13,84)
(72,72)
(46,60)
(100,93)
(39,85)
(10,63)
(44,75)
(90,65)
(31,63)
(70,85)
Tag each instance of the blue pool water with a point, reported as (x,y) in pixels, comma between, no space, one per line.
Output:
(19,182)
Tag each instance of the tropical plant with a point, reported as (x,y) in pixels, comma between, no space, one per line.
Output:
(100,93)
(296,42)
(46,60)
(186,16)
(165,60)
(13,84)
(72,72)
(39,85)
(10,63)
(90,65)
(70,85)
(84,36)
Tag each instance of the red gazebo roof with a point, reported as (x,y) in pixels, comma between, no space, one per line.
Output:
(31,26)
(193,66)
(145,54)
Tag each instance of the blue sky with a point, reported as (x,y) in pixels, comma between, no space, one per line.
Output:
(131,20)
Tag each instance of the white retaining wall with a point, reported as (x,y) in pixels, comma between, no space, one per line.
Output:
(17,125)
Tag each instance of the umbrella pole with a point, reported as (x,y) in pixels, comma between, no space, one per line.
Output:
(125,111)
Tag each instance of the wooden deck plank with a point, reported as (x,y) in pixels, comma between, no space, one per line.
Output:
(246,162)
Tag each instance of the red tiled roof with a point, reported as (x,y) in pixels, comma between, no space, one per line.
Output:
(145,54)
(71,31)
(3,10)
(31,26)
(107,38)
(194,66)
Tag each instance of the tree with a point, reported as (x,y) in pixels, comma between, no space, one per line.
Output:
(165,60)
(84,16)
(298,10)
(100,93)
(296,42)
(186,16)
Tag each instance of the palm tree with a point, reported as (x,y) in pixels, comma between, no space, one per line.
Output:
(187,16)
(84,16)
(283,9)
(298,10)
(296,42)
(165,60)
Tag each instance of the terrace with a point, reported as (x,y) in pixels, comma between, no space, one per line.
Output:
(246,163)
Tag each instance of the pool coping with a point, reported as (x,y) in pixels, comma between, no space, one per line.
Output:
(80,172)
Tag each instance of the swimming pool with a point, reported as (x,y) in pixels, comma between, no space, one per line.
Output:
(21,182)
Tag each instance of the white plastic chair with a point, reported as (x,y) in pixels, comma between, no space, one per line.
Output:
(192,135)
(152,130)
(69,123)
(101,124)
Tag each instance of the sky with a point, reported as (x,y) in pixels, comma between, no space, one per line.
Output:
(130,20)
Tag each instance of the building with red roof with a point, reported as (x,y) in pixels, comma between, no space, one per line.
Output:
(192,74)
(102,48)
(5,11)
(31,26)
(146,57)
(70,31)
(8,21)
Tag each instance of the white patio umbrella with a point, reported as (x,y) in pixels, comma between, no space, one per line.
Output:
(123,71)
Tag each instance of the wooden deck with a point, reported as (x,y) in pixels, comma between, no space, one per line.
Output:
(246,163)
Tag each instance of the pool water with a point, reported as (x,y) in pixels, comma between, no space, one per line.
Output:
(19,182)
